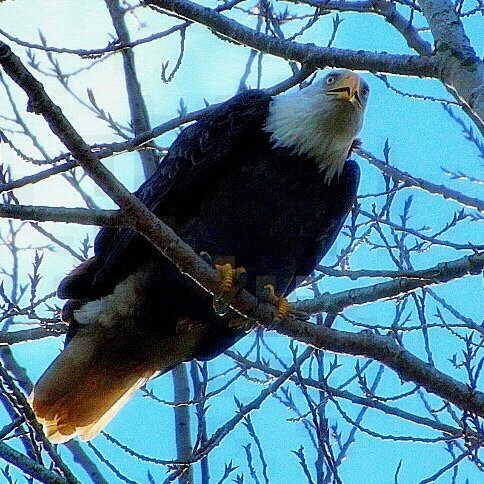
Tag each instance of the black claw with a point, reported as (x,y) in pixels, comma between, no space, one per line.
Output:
(207,258)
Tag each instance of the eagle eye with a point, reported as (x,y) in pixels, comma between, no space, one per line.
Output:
(330,79)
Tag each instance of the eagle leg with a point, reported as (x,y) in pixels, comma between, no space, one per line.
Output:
(281,303)
(233,281)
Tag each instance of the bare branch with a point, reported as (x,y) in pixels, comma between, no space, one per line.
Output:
(443,272)
(386,350)
(13,337)
(29,467)
(396,174)
(357,399)
(307,54)
(139,113)
(83,216)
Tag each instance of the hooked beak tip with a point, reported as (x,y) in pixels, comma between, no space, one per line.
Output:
(348,89)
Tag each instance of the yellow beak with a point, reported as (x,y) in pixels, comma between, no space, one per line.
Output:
(347,87)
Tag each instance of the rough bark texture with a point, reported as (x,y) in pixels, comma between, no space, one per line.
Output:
(460,68)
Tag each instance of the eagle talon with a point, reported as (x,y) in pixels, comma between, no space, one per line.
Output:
(207,258)
(282,304)
(233,281)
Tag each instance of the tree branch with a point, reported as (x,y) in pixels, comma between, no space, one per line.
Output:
(443,272)
(357,399)
(460,68)
(396,174)
(182,420)
(83,216)
(388,10)
(29,467)
(15,395)
(20,377)
(139,114)
(387,351)
(37,177)
(9,338)
(307,54)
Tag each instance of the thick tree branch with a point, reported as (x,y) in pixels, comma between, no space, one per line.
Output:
(307,54)
(460,67)
(13,337)
(386,350)
(135,213)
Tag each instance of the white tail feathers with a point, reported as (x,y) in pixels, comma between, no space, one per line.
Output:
(84,388)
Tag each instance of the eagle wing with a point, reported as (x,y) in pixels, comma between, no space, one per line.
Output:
(199,150)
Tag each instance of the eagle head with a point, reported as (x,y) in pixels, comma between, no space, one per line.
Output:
(322,120)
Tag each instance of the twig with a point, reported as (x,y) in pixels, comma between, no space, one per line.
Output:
(409,180)
(307,54)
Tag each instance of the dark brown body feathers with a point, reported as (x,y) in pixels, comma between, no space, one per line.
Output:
(225,190)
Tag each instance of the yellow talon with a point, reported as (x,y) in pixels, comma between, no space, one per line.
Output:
(282,304)
(233,280)
(226,271)
(229,276)
(282,308)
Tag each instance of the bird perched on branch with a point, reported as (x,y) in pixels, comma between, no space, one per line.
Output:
(259,182)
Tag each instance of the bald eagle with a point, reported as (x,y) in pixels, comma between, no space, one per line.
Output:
(260,182)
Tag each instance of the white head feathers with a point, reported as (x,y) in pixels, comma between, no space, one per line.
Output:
(322,120)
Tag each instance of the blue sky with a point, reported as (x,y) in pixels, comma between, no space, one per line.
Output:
(422,139)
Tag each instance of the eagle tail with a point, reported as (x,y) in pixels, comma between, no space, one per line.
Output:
(84,388)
